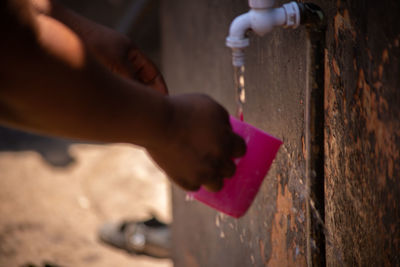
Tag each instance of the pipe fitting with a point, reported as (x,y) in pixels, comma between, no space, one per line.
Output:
(292,12)
(263,21)
(312,16)
(237,32)
(238,57)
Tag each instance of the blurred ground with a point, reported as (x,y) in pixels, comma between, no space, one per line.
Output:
(54,194)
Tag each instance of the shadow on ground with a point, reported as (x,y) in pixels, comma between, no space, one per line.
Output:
(55,193)
(55,151)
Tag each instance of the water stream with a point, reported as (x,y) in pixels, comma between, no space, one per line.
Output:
(240,91)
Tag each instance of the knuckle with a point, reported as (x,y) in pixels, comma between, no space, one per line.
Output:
(188,184)
(231,169)
(191,187)
(214,187)
(240,146)
(228,169)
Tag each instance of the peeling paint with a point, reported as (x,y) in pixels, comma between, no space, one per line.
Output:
(282,252)
(384,133)
(336,68)
(385,56)
(362,148)
(342,23)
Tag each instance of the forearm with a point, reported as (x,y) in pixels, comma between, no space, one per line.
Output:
(112,49)
(51,83)
(52,8)
(91,33)
(62,90)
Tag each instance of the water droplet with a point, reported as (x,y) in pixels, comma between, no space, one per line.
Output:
(189,198)
(217,223)
(240,91)
(222,235)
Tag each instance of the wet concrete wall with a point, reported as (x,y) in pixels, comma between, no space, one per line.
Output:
(196,60)
(361,136)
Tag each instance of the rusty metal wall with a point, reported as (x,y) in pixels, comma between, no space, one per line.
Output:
(362,135)
(362,109)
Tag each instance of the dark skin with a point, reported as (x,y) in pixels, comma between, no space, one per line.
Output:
(64,75)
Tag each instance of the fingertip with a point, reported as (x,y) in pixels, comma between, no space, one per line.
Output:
(239,146)
(192,188)
(228,169)
(186,185)
(215,186)
(225,115)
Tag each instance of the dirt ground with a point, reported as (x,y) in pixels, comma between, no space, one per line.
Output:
(54,195)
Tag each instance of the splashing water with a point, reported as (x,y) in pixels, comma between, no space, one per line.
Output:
(240,91)
(189,197)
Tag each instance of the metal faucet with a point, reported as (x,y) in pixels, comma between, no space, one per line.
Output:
(261,19)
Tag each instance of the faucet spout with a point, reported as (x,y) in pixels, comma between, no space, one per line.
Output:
(237,31)
(237,39)
(261,19)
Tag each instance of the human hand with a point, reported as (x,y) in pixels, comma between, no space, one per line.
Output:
(121,56)
(111,48)
(199,144)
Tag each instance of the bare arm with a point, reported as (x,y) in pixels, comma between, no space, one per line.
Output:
(54,80)
(51,82)
(117,52)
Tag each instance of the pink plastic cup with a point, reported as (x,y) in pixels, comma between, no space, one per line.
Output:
(239,191)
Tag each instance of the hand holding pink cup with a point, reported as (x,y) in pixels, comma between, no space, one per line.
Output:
(239,191)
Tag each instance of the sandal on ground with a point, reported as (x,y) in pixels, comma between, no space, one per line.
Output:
(151,237)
